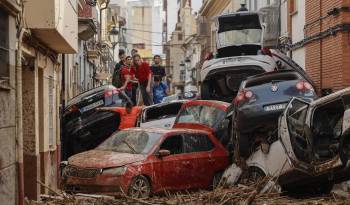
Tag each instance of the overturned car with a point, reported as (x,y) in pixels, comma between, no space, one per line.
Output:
(83,127)
(313,146)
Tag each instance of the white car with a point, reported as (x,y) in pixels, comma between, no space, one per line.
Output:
(313,146)
(160,115)
(241,41)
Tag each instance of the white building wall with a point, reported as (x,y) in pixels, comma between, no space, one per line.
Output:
(171,16)
(157,27)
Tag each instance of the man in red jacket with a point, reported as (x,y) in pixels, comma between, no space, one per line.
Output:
(144,75)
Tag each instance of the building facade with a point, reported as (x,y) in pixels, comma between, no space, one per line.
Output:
(30,85)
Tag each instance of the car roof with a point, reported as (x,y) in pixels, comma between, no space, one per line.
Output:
(167,131)
(165,103)
(215,103)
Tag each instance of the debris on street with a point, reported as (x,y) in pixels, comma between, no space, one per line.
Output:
(241,194)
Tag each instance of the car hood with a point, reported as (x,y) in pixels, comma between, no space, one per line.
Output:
(104,159)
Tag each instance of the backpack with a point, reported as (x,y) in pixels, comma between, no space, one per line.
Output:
(116,79)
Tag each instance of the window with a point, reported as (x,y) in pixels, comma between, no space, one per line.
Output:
(197,143)
(174,144)
(179,36)
(165,111)
(4,45)
(202,114)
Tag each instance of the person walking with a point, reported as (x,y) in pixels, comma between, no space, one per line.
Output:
(127,77)
(116,81)
(144,76)
(157,68)
(160,90)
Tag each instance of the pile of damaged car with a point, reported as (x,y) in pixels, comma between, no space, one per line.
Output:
(258,116)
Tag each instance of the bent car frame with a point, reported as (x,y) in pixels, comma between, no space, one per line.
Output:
(313,148)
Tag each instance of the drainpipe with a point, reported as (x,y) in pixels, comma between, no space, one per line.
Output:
(100,36)
(19,118)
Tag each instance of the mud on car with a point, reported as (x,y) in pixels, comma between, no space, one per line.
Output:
(144,161)
(313,147)
(241,42)
(260,101)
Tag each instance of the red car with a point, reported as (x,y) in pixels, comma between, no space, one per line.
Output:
(210,115)
(142,161)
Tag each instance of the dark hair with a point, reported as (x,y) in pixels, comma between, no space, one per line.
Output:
(156,78)
(155,56)
(134,50)
(128,105)
(127,57)
(121,52)
(136,55)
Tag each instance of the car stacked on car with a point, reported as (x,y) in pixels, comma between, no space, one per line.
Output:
(257,106)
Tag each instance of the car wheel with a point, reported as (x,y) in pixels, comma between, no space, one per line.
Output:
(140,187)
(252,176)
(244,144)
(216,180)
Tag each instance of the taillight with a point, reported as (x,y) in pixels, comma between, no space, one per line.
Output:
(304,86)
(73,108)
(242,96)
(111,91)
(266,51)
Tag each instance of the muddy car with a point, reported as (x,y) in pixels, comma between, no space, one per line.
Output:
(83,127)
(210,115)
(240,54)
(260,101)
(160,115)
(313,148)
(141,162)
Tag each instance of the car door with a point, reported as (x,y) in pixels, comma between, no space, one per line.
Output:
(296,142)
(173,169)
(199,149)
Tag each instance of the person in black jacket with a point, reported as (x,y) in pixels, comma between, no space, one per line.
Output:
(116,81)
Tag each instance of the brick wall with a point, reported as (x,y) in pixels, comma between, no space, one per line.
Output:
(327,59)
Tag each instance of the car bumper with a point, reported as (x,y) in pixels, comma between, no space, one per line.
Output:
(249,118)
(108,184)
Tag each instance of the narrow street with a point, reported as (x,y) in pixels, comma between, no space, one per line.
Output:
(174,102)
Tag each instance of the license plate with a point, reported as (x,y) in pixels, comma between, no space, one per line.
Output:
(91,106)
(275,107)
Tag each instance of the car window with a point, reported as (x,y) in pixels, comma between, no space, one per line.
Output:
(239,37)
(174,144)
(197,143)
(203,114)
(130,141)
(161,112)
(286,76)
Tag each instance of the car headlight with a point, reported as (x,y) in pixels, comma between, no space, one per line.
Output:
(115,171)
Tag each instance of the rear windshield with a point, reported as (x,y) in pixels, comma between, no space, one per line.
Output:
(161,112)
(202,114)
(272,77)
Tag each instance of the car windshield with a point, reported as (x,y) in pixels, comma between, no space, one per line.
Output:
(130,141)
(202,114)
(240,37)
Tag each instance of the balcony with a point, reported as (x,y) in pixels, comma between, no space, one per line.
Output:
(87,27)
(55,23)
(93,50)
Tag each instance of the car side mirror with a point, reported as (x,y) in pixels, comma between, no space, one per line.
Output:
(163,153)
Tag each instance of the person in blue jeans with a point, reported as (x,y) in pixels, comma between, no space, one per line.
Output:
(160,90)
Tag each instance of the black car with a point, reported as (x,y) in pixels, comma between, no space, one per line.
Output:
(83,127)
(261,100)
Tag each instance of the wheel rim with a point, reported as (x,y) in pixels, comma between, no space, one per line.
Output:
(139,189)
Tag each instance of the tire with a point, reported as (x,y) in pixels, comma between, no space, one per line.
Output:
(244,144)
(205,92)
(216,180)
(140,187)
